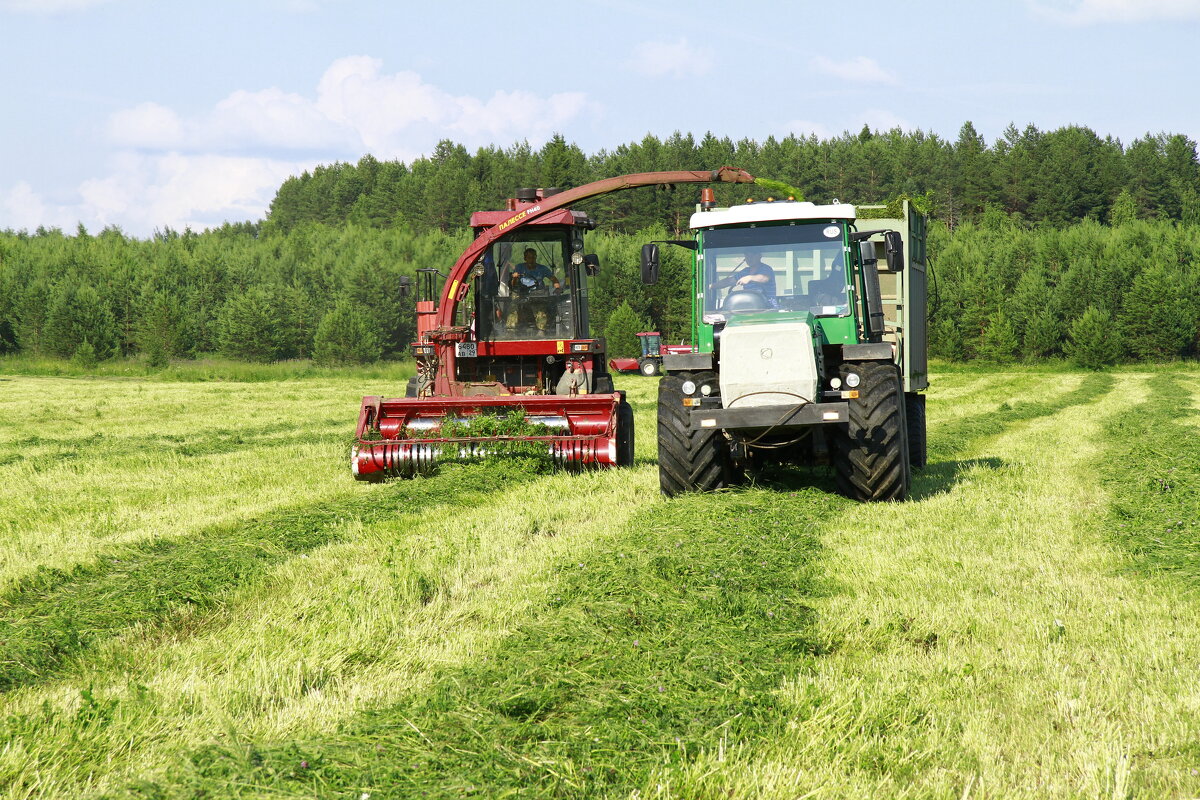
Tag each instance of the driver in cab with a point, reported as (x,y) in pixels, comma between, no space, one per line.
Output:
(530,275)
(753,275)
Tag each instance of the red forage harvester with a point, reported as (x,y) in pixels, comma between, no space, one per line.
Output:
(505,358)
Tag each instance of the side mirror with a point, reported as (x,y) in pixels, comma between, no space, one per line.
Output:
(591,264)
(649,264)
(893,246)
(405,285)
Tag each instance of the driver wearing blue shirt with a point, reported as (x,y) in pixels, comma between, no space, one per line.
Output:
(529,274)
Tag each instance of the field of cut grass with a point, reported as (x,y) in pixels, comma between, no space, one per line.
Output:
(196,600)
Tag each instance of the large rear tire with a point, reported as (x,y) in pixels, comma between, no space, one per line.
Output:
(871,453)
(914,415)
(625,441)
(689,459)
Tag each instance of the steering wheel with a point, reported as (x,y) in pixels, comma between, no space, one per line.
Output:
(741,299)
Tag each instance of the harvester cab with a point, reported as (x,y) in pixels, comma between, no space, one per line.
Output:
(810,348)
(505,358)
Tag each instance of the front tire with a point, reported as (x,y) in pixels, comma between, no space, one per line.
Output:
(649,367)
(689,459)
(871,451)
(625,442)
(914,413)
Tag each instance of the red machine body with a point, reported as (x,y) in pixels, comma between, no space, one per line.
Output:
(652,351)
(509,331)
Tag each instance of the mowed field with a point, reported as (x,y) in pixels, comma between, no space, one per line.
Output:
(196,600)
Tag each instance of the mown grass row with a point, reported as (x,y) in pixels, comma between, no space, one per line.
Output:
(520,722)
(666,643)
(1152,470)
(897,680)
(53,615)
(991,643)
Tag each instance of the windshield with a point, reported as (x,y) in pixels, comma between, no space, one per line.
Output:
(525,291)
(779,267)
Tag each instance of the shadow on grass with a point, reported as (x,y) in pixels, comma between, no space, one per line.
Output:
(941,477)
(53,615)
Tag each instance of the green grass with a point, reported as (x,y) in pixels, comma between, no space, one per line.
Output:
(667,642)
(1152,469)
(53,615)
(197,601)
(208,368)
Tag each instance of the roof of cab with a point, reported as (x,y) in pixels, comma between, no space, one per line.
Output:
(778,211)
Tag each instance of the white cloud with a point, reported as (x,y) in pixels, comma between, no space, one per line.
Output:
(859,69)
(677,59)
(171,170)
(270,118)
(144,192)
(48,6)
(146,125)
(356,107)
(1091,12)
(23,209)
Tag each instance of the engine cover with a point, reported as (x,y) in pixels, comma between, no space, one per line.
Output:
(776,360)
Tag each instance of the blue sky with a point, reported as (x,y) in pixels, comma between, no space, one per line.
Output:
(148,114)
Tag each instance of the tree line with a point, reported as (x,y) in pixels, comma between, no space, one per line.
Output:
(1088,256)
(1056,177)
(1001,290)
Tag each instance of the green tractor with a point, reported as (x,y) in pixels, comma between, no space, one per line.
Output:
(809,347)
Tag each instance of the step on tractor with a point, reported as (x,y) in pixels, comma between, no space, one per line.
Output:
(505,359)
(649,363)
(809,331)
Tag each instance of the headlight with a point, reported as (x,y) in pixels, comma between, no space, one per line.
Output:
(852,379)
(835,383)
(577,258)
(706,390)
(689,387)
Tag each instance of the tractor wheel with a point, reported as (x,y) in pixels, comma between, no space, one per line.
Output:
(649,367)
(871,451)
(689,459)
(914,414)
(624,433)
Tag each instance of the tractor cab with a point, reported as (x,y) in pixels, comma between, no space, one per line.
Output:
(651,344)
(529,288)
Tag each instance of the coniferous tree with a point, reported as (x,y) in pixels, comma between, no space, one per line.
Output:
(76,314)
(248,326)
(1124,210)
(345,335)
(1091,343)
(620,333)
(999,342)
(1157,322)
